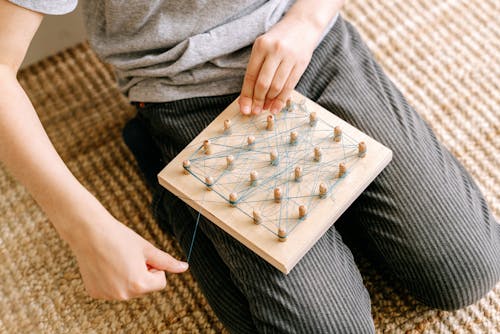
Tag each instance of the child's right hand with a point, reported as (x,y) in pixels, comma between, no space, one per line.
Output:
(116,263)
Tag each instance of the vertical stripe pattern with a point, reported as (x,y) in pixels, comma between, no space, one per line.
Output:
(424,216)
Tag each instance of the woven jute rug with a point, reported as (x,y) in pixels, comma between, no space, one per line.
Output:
(444,55)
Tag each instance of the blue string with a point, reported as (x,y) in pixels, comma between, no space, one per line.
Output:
(260,147)
(194,236)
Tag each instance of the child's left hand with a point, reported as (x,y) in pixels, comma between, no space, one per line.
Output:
(278,60)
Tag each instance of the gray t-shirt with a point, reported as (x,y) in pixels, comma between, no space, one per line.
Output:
(166,50)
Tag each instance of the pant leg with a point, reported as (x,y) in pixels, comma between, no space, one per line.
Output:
(226,299)
(212,274)
(424,215)
(323,294)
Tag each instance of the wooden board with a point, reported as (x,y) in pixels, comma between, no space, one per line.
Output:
(237,218)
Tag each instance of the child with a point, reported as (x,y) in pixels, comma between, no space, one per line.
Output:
(181,63)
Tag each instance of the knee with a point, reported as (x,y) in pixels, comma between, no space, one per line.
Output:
(458,283)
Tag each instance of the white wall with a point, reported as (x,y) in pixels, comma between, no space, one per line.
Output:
(55,34)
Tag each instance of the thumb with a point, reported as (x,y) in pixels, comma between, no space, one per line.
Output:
(161,260)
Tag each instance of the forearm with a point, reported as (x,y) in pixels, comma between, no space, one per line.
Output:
(319,13)
(29,156)
(115,262)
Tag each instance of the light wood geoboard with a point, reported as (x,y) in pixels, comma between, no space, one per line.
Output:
(250,211)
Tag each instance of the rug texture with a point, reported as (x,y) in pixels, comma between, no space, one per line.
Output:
(444,56)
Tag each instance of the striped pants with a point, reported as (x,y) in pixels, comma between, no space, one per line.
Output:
(423,216)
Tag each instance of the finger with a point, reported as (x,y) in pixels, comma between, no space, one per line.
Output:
(282,74)
(251,74)
(290,84)
(267,104)
(245,103)
(151,281)
(155,281)
(160,260)
(263,83)
(277,105)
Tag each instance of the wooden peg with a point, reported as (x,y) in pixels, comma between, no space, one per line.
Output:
(342,169)
(273,155)
(302,212)
(282,235)
(313,118)
(254,177)
(270,123)
(233,199)
(361,149)
(317,153)
(186,164)
(277,195)
(323,190)
(298,173)
(230,162)
(294,136)
(227,126)
(207,146)
(251,140)
(209,182)
(337,134)
(257,217)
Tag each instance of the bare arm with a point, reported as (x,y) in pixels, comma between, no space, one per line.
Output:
(280,56)
(114,261)
(25,148)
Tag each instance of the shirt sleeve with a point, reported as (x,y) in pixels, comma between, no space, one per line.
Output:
(51,7)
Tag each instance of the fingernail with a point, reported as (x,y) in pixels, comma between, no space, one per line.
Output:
(257,110)
(274,111)
(245,110)
(183,265)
